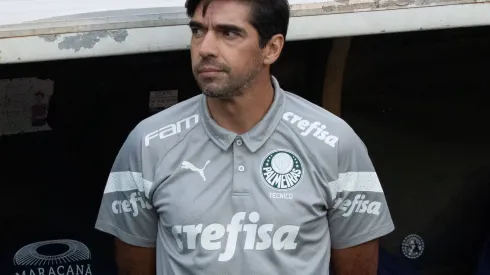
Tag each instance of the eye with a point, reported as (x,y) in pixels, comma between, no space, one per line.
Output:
(230,34)
(197,32)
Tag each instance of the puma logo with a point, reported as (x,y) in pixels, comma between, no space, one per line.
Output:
(190,166)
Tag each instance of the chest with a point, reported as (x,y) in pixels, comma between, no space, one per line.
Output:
(212,186)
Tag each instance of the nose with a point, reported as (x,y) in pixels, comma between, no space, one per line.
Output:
(208,46)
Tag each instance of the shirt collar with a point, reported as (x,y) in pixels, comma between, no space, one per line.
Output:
(254,138)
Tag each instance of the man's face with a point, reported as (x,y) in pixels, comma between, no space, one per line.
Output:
(225,52)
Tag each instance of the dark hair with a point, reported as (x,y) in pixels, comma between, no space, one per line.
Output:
(269,17)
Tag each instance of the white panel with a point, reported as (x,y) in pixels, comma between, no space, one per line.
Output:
(127,181)
(19,11)
(141,40)
(357,182)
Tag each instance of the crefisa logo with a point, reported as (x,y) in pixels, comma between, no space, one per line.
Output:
(56,257)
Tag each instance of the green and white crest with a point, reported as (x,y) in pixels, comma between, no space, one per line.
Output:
(281,170)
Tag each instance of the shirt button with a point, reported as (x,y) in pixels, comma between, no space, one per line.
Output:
(239,142)
(241,168)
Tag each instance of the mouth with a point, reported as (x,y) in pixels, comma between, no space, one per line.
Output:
(209,72)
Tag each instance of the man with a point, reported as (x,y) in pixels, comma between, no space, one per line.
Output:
(245,178)
(39,111)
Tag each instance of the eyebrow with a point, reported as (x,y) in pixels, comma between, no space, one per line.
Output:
(221,27)
(195,24)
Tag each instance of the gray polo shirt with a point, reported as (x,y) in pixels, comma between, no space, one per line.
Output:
(274,200)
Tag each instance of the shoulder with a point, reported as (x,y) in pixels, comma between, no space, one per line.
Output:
(170,125)
(315,125)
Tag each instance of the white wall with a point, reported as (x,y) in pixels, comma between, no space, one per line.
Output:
(19,11)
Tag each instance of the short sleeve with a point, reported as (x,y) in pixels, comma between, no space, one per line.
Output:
(359,212)
(126,210)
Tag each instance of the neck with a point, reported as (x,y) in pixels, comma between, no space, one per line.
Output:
(240,114)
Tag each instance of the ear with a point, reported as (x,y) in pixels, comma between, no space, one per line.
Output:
(273,49)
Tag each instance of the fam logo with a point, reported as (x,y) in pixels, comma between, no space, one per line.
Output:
(282,170)
(56,257)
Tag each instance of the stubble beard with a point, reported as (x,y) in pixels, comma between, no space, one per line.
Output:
(232,86)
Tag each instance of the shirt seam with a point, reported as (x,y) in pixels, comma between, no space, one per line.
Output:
(309,151)
(240,194)
(158,164)
(168,152)
(121,231)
